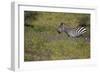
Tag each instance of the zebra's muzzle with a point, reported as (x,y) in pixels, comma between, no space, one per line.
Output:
(59,32)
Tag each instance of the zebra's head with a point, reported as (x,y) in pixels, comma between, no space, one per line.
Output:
(61,28)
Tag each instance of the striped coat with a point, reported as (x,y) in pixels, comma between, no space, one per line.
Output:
(71,32)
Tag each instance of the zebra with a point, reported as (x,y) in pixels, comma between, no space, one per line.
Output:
(71,32)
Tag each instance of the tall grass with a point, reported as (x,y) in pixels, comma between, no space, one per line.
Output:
(42,42)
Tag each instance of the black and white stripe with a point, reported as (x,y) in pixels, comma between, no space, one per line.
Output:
(72,32)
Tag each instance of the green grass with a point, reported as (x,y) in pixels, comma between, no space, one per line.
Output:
(42,42)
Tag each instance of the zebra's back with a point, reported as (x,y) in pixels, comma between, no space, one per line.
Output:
(75,32)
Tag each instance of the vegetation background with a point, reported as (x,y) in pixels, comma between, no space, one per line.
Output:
(42,42)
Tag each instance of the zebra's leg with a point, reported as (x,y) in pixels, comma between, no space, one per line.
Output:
(86,38)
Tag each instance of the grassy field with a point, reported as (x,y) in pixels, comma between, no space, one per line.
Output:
(42,42)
